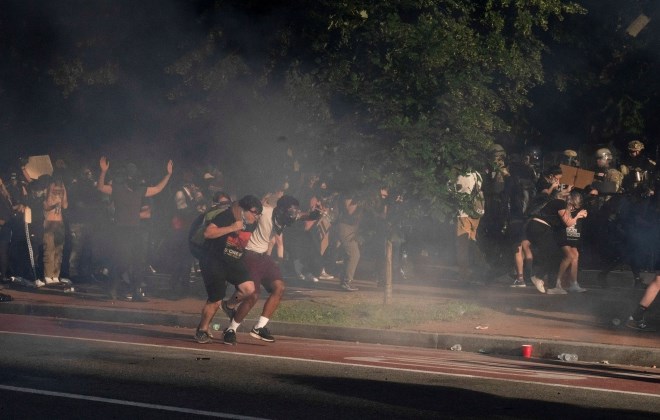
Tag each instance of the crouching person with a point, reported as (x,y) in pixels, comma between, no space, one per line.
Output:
(226,236)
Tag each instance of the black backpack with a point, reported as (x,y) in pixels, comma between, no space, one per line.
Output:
(197,227)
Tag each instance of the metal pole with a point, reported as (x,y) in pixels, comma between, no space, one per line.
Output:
(388,272)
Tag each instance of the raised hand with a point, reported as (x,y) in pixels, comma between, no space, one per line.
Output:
(104,163)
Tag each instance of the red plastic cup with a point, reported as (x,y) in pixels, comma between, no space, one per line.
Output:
(527,351)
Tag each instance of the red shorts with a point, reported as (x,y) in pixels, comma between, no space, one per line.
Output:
(262,269)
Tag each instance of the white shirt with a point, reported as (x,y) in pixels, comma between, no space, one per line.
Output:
(262,235)
(465,184)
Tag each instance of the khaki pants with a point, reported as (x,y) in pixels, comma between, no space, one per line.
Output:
(466,238)
(53,247)
(348,238)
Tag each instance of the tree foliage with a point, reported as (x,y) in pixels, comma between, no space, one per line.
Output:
(427,82)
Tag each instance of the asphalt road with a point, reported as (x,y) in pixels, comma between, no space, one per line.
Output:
(77,369)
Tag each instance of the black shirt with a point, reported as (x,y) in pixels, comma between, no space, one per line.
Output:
(229,247)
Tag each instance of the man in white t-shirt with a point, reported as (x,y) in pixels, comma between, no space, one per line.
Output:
(262,268)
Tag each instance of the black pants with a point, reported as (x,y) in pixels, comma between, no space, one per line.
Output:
(128,256)
(547,254)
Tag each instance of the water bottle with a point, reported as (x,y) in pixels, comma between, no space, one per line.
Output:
(456,347)
(568,357)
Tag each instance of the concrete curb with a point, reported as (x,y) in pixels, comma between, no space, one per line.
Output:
(488,344)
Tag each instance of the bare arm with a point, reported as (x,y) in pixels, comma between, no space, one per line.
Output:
(279,241)
(151,191)
(213,232)
(65,200)
(351,206)
(101,185)
(571,221)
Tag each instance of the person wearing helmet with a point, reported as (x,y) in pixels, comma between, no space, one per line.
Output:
(498,152)
(495,223)
(570,158)
(605,176)
(532,156)
(637,170)
(604,158)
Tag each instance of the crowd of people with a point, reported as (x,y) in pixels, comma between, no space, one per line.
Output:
(547,215)
(110,225)
(116,225)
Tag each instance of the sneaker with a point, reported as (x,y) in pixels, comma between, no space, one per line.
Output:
(639,325)
(50,280)
(39,283)
(538,283)
(312,278)
(575,288)
(262,334)
(347,287)
(202,337)
(139,297)
(230,312)
(326,276)
(519,283)
(229,337)
(64,281)
(556,291)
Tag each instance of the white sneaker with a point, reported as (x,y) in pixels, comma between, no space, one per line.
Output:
(539,284)
(39,283)
(311,277)
(575,288)
(326,276)
(49,280)
(65,281)
(556,291)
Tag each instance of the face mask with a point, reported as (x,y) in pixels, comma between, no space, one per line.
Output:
(283,218)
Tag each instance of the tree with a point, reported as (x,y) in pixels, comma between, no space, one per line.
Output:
(603,84)
(429,82)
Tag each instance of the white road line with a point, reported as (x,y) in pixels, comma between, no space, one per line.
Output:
(127,403)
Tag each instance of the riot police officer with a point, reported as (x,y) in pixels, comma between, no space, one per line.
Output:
(637,170)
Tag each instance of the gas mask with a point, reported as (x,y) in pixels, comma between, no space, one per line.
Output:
(284,217)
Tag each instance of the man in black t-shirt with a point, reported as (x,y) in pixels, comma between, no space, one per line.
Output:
(226,236)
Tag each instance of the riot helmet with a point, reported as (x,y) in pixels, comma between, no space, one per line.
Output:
(570,158)
(635,146)
(533,155)
(604,154)
(498,151)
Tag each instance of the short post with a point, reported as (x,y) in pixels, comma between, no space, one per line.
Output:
(388,272)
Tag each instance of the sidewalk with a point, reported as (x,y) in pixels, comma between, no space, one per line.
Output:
(575,323)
